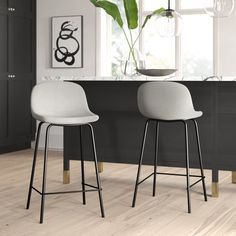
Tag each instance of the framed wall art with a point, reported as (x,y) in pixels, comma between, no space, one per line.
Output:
(67,42)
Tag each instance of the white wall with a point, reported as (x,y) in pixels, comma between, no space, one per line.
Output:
(47,9)
(227,45)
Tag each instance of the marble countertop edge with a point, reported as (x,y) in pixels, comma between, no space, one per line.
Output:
(134,78)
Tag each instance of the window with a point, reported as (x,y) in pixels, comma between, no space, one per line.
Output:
(193,4)
(191,53)
(197,46)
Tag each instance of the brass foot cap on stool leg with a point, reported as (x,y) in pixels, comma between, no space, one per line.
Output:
(234,177)
(66,177)
(100,167)
(215,189)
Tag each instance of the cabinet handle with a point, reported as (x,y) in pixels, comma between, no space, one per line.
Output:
(11,9)
(11,76)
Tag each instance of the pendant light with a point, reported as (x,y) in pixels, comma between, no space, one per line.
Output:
(169,23)
(219,8)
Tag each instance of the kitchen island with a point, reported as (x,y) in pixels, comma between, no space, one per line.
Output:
(119,130)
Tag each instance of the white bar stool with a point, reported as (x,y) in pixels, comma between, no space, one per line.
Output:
(62,104)
(168,102)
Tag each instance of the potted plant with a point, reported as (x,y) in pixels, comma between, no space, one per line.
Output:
(132,20)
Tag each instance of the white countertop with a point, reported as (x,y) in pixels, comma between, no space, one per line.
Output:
(134,78)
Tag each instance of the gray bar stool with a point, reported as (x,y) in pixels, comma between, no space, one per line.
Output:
(62,104)
(168,102)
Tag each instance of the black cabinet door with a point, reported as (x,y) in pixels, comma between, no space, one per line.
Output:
(21,61)
(17,72)
(19,108)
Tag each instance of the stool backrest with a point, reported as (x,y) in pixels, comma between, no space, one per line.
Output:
(58,99)
(164,100)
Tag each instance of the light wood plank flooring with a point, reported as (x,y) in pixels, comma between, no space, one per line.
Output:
(65,214)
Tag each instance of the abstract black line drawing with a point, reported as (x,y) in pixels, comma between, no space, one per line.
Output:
(67,41)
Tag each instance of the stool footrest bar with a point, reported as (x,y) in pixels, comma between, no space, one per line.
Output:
(160,173)
(65,192)
(76,191)
(197,176)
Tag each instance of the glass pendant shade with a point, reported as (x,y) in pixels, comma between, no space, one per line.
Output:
(169,24)
(219,8)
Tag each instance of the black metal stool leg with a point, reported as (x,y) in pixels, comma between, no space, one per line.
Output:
(96,170)
(33,165)
(44,173)
(140,163)
(155,159)
(82,168)
(187,166)
(200,159)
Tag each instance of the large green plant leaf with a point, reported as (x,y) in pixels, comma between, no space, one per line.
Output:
(131,11)
(110,8)
(157,12)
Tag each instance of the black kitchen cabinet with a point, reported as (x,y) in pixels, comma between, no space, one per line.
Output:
(17,72)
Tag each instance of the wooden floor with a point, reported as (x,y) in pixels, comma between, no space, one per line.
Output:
(65,215)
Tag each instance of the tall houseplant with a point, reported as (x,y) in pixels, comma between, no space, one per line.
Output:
(132,20)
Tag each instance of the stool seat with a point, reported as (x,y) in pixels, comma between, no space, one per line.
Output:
(168,101)
(73,119)
(61,103)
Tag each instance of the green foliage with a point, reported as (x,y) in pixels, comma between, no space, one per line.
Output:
(157,13)
(131,11)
